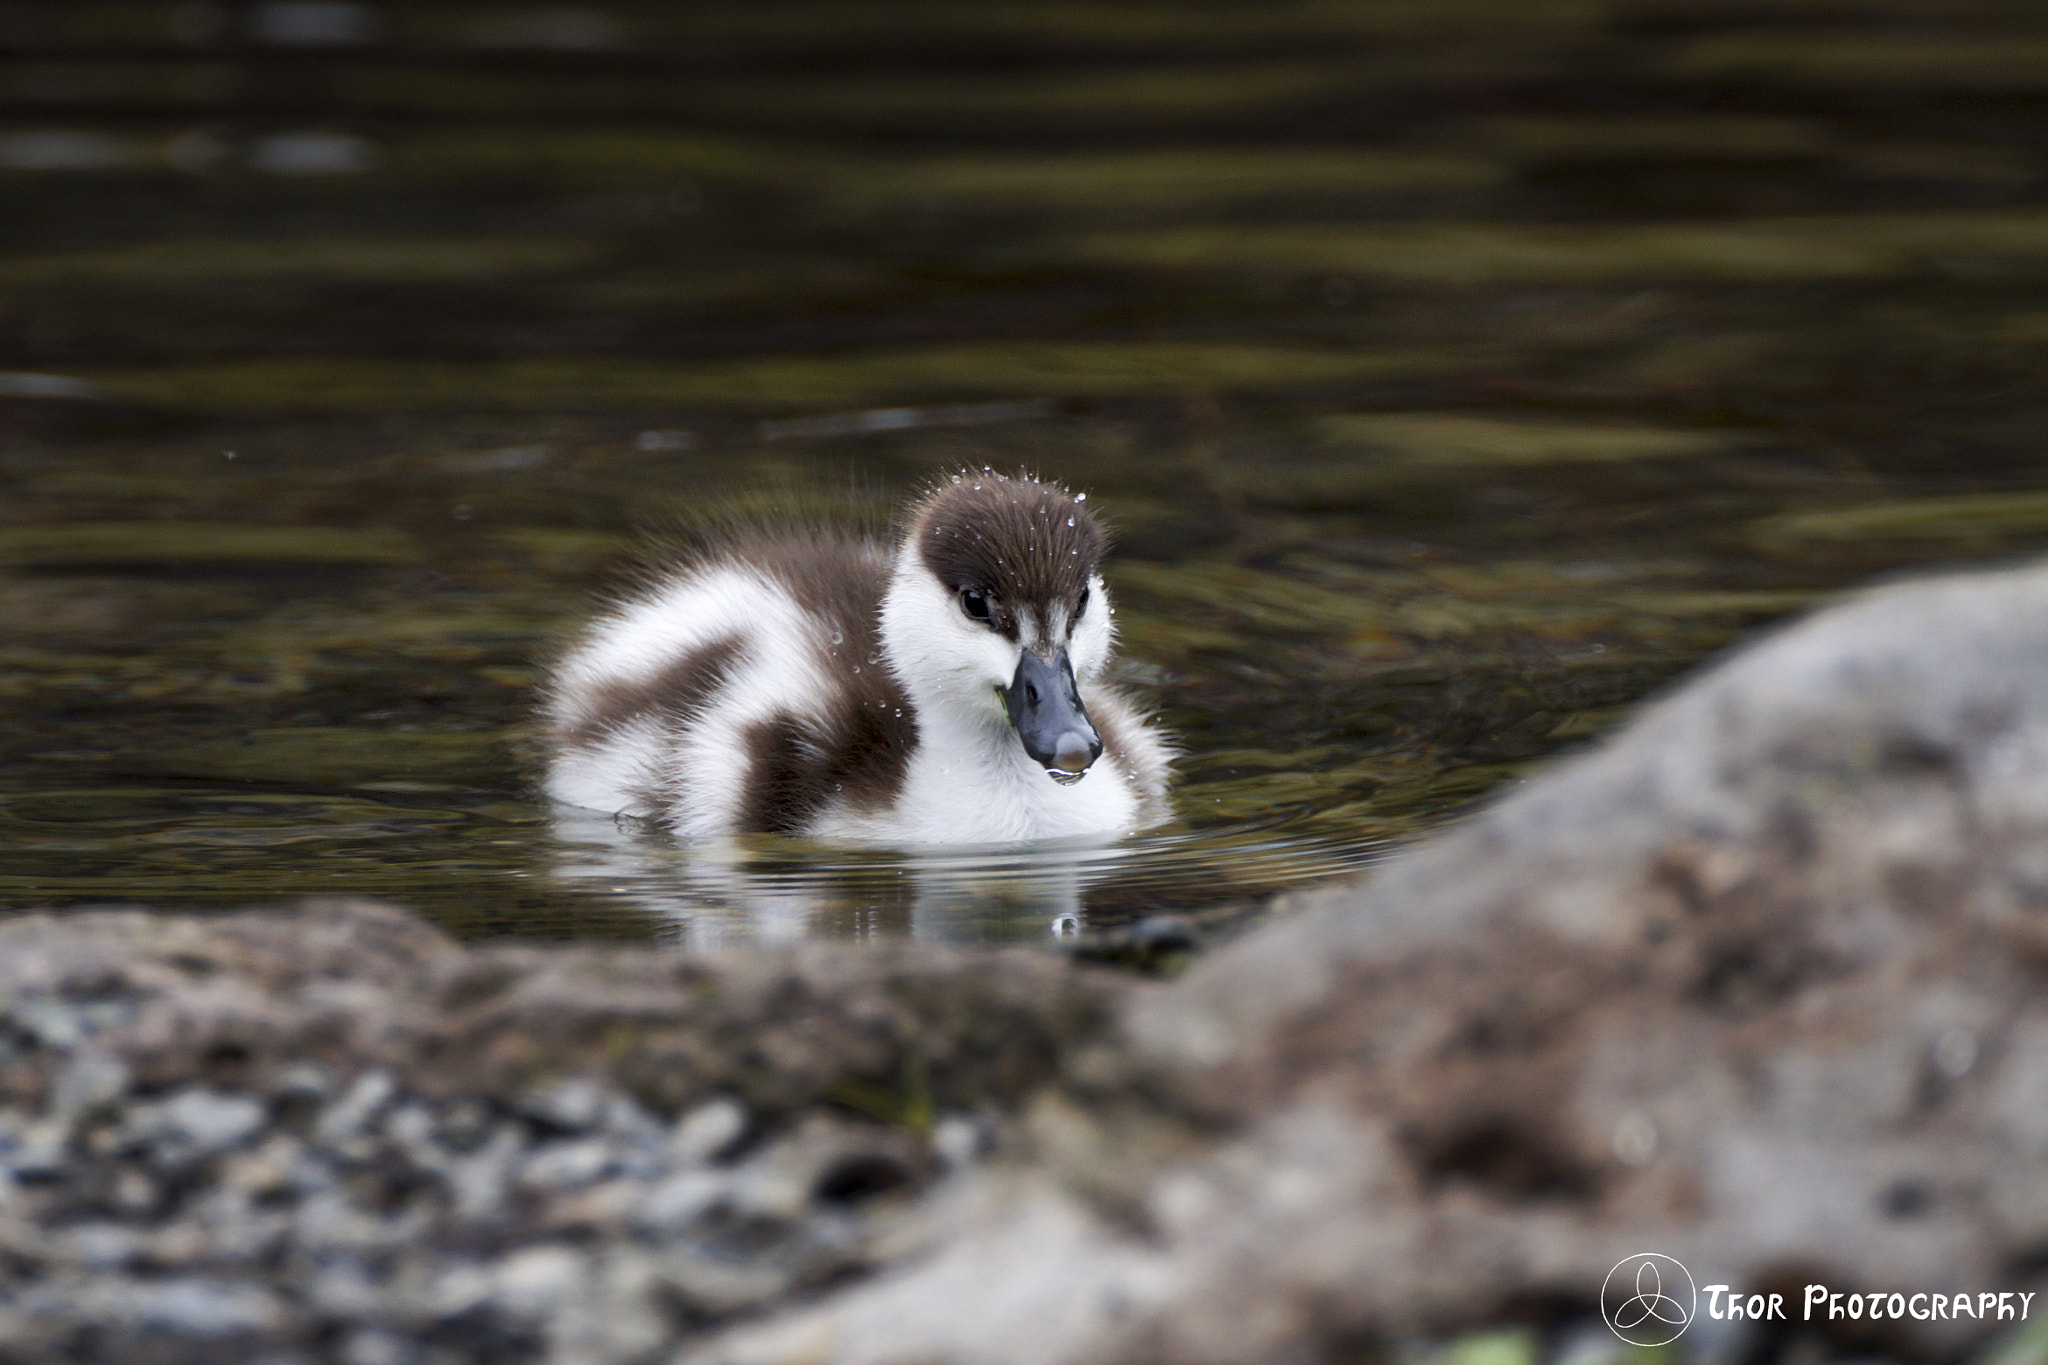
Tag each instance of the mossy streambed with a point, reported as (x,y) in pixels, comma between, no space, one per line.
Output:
(1448,400)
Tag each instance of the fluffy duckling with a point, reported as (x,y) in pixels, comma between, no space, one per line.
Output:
(947,689)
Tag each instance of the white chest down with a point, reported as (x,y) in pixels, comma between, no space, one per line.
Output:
(982,788)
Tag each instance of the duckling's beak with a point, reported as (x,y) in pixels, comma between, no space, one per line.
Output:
(1045,707)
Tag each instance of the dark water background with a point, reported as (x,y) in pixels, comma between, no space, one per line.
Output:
(1457,373)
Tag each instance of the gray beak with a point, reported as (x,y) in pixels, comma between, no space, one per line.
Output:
(1045,708)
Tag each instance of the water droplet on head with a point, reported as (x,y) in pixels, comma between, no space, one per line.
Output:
(837,638)
(1070,521)
(1080,497)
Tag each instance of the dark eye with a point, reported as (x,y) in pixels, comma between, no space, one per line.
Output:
(974,602)
(1081,604)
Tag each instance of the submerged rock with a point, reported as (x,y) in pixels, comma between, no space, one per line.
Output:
(1756,985)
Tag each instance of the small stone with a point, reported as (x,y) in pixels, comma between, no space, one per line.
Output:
(1955,1052)
(630,1321)
(566,1165)
(707,1131)
(458,1290)
(266,1171)
(681,1200)
(90,1081)
(344,1289)
(134,1192)
(209,1122)
(179,1244)
(354,1114)
(304,1081)
(533,1282)
(478,1180)
(958,1141)
(61,1024)
(38,1152)
(411,1126)
(622,1118)
(331,1221)
(206,1308)
(103,1245)
(374,1348)
(716,1287)
(573,1106)
(464,1125)
(593,1208)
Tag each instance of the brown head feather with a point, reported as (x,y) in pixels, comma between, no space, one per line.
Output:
(1024,543)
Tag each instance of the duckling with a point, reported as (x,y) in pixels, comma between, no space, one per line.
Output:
(947,689)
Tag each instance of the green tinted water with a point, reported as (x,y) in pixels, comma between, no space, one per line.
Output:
(1454,375)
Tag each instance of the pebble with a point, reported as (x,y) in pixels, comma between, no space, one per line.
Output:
(304,1081)
(38,1151)
(62,1024)
(566,1165)
(204,1122)
(572,1106)
(374,1348)
(681,1200)
(345,1122)
(103,1244)
(957,1141)
(533,1281)
(206,1308)
(87,1083)
(707,1131)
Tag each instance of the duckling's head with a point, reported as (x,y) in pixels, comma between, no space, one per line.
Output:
(995,611)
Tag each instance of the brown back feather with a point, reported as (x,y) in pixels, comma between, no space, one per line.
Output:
(860,748)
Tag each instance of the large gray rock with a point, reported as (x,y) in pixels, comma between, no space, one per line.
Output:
(1757,985)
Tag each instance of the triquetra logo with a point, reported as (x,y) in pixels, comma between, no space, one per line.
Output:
(1648,1300)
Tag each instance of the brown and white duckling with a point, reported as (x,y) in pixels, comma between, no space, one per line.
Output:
(944,690)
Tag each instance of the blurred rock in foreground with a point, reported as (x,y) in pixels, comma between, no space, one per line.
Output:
(1758,985)
(333,1132)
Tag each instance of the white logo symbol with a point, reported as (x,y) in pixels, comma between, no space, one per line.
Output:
(1648,1300)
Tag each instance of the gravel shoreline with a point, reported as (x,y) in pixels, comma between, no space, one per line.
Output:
(329,1134)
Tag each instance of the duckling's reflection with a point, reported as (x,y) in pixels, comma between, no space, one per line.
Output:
(729,892)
